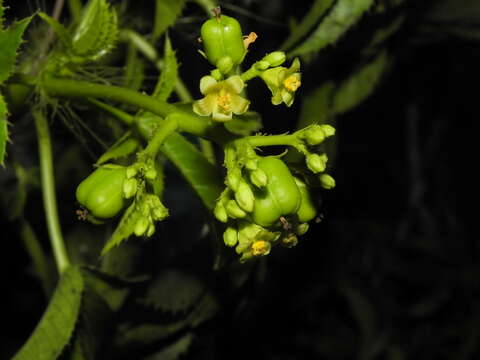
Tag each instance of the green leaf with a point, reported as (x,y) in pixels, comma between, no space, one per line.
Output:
(125,146)
(344,14)
(59,29)
(166,13)
(124,229)
(96,33)
(10,40)
(2,11)
(56,326)
(3,130)
(316,106)
(317,10)
(174,351)
(169,74)
(202,176)
(361,84)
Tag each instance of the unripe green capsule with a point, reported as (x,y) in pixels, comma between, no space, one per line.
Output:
(230,237)
(279,197)
(222,37)
(307,210)
(101,193)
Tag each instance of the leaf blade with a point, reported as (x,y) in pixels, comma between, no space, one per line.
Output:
(3,130)
(166,13)
(56,326)
(169,74)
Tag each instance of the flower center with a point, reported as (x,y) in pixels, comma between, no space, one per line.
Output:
(260,248)
(224,99)
(292,83)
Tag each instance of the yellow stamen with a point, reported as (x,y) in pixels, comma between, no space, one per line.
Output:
(249,39)
(260,248)
(224,100)
(292,83)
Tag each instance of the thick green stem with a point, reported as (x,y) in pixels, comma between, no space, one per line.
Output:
(48,191)
(250,74)
(164,130)
(207,5)
(188,122)
(272,140)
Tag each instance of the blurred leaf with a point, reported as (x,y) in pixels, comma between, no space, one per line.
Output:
(358,87)
(166,13)
(202,176)
(59,29)
(112,294)
(124,146)
(344,14)
(245,124)
(175,350)
(10,40)
(312,17)
(2,10)
(56,326)
(134,69)
(3,130)
(317,106)
(96,33)
(455,11)
(169,74)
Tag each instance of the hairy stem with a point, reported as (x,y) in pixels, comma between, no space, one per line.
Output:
(48,191)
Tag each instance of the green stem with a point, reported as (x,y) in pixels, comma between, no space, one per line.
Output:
(164,130)
(189,122)
(250,74)
(207,5)
(272,140)
(48,191)
(127,119)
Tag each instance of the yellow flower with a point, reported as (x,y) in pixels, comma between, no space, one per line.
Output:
(261,247)
(221,99)
(283,82)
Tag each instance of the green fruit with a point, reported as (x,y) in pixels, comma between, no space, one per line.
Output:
(222,38)
(279,197)
(101,193)
(307,210)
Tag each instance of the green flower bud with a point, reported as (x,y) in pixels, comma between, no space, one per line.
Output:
(234,211)
(244,196)
(216,74)
(258,178)
(141,226)
(326,181)
(275,58)
(302,229)
(262,65)
(316,163)
(151,174)
(159,213)
(328,130)
(131,172)
(251,164)
(314,135)
(250,153)
(150,230)
(219,212)
(234,177)
(225,64)
(129,187)
(230,237)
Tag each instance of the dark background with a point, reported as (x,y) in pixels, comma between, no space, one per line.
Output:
(392,271)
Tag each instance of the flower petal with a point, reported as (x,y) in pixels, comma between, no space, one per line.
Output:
(277,98)
(204,107)
(221,117)
(234,84)
(295,66)
(287,98)
(239,105)
(206,83)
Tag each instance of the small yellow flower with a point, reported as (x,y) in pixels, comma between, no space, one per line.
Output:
(261,247)
(283,82)
(221,99)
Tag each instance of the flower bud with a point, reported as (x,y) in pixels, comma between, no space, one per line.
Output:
(219,212)
(131,172)
(159,213)
(150,230)
(244,196)
(230,237)
(234,211)
(275,58)
(225,64)
(251,164)
(260,248)
(316,163)
(151,174)
(326,181)
(258,178)
(141,226)
(233,178)
(129,188)
(301,229)
(314,135)
(328,130)
(262,65)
